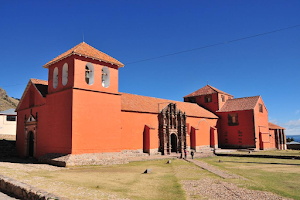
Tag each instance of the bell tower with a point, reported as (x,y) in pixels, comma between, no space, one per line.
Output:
(89,79)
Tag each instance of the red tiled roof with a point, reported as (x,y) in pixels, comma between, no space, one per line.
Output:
(246,103)
(206,90)
(41,85)
(83,49)
(132,102)
(274,126)
(39,81)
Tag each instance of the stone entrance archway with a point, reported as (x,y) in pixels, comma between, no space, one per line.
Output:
(174,143)
(30,144)
(30,136)
(172,123)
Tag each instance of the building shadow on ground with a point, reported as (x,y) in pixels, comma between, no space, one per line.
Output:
(19,160)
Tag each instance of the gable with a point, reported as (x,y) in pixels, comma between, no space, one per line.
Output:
(206,90)
(260,101)
(32,96)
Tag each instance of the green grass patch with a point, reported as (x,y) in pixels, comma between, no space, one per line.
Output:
(128,180)
(270,152)
(280,176)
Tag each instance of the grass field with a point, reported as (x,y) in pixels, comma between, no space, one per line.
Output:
(280,176)
(123,181)
(270,152)
(128,181)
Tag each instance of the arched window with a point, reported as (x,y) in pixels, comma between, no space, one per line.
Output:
(55,77)
(105,77)
(89,73)
(65,74)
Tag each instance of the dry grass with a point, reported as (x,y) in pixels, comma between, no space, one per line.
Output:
(165,182)
(114,182)
(280,176)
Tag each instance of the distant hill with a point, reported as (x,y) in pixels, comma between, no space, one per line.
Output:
(7,102)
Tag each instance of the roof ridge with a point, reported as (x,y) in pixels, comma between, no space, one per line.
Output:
(84,49)
(159,98)
(243,98)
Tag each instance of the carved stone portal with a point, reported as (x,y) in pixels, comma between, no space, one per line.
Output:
(172,130)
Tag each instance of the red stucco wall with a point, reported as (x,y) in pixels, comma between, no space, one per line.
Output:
(96,122)
(261,127)
(238,136)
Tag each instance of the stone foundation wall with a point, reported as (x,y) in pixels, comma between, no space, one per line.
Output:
(24,191)
(113,158)
(8,149)
(203,148)
(293,146)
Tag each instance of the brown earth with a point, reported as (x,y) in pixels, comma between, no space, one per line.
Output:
(7,102)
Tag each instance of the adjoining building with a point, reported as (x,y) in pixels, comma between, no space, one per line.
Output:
(243,122)
(80,110)
(8,124)
(277,136)
(293,145)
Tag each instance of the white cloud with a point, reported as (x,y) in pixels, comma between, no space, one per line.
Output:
(292,127)
(274,121)
(293,123)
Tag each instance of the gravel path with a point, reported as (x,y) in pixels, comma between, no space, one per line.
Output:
(214,170)
(218,190)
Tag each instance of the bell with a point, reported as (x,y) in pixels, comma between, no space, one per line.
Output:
(87,75)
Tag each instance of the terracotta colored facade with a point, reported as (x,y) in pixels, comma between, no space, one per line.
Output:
(243,122)
(80,110)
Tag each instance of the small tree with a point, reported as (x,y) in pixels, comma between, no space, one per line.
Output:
(288,139)
(292,139)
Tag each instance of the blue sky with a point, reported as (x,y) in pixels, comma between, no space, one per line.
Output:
(34,32)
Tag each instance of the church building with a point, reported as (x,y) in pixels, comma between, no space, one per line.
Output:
(80,110)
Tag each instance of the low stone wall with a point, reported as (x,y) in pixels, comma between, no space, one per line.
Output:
(24,191)
(8,148)
(7,137)
(293,146)
(68,160)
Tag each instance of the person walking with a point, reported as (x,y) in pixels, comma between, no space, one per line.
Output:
(192,154)
(185,154)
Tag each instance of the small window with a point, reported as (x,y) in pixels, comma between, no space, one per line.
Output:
(208,98)
(89,74)
(222,98)
(105,77)
(233,119)
(192,99)
(10,118)
(55,77)
(261,108)
(65,74)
